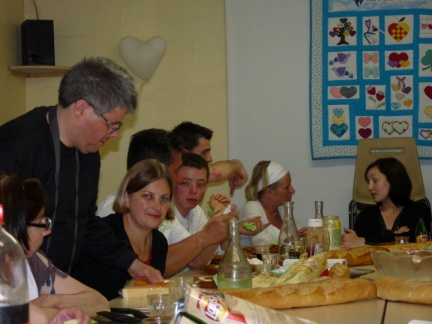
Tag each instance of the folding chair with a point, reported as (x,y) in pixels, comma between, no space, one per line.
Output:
(371,149)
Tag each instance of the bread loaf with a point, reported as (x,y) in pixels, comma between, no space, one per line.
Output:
(323,291)
(420,246)
(338,270)
(405,290)
(304,270)
(355,256)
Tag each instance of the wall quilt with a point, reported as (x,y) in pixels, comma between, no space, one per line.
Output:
(371,74)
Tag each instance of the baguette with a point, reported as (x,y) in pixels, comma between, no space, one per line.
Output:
(355,256)
(323,291)
(339,271)
(304,270)
(419,246)
(405,290)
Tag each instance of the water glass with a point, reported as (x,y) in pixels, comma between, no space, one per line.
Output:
(179,285)
(264,268)
(270,258)
(260,250)
(401,239)
(161,304)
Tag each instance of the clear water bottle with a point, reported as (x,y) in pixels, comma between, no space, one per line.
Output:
(234,271)
(319,209)
(289,238)
(14,307)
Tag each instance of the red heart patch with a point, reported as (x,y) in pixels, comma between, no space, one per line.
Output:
(365,132)
(428,91)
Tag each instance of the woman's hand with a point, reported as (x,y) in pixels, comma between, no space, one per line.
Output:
(351,240)
(403,229)
(254,222)
(71,313)
(140,270)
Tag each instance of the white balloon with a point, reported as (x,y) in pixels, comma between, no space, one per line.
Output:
(142,58)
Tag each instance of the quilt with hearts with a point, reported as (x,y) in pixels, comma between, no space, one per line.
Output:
(371,74)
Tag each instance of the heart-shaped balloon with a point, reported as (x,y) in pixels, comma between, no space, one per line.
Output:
(142,58)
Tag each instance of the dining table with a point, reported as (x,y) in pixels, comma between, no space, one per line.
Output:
(369,311)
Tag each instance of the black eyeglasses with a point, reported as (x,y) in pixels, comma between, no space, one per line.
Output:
(45,224)
(113,128)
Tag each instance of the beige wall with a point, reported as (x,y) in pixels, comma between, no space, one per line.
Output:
(190,83)
(12,88)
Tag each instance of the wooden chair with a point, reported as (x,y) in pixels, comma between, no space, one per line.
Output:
(371,149)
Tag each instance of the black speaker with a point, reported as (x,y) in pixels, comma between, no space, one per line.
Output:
(37,40)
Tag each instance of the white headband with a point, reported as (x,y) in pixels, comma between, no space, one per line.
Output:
(275,172)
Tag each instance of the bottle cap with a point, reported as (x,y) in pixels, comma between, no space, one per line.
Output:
(315,222)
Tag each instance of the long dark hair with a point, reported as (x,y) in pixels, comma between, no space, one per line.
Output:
(22,200)
(398,178)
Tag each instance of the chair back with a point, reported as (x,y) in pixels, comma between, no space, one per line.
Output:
(371,149)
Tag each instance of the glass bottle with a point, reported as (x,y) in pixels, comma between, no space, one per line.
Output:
(332,233)
(319,209)
(289,243)
(234,271)
(420,232)
(14,307)
(314,237)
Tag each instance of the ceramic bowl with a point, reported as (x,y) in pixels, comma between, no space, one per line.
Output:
(399,263)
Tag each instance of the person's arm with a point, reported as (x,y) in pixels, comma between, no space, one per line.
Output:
(231,170)
(366,229)
(251,210)
(351,240)
(198,249)
(70,292)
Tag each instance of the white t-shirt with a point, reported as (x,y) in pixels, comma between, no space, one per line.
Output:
(173,230)
(269,236)
(194,221)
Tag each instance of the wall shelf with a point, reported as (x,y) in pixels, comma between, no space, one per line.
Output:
(39,71)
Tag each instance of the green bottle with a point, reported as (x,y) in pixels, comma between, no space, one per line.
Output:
(421,233)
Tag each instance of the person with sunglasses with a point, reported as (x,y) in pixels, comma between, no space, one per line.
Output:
(50,289)
(59,146)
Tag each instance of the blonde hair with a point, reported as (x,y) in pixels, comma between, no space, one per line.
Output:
(259,175)
(138,176)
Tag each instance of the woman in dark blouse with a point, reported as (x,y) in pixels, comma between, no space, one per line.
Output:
(142,203)
(394,213)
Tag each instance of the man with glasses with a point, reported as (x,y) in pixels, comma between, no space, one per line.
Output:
(59,145)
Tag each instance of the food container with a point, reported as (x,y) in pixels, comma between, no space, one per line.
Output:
(399,263)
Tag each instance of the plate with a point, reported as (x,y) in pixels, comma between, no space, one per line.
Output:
(355,273)
(210,269)
(216,259)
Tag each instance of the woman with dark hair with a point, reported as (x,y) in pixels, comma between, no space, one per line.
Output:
(141,205)
(394,213)
(50,290)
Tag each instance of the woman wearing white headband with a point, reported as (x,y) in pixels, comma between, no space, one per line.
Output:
(269,187)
